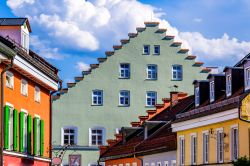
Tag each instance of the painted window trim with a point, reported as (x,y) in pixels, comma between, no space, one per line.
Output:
(126,105)
(206,132)
(166,163)
(120,69)
(25,83)
(159,48)
(235,126)
(158,163)
(103,134)
(75,135)
(191,153)
(228,93)
(177,79)
(37,90)
(181,137)
(11,75)
(219,130)
(146,53)
(96,90)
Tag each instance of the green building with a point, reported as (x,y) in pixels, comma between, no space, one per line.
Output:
(127,82)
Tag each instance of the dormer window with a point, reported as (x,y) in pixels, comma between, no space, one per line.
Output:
(212,91)
(197,96)
(247,78)
(229,85)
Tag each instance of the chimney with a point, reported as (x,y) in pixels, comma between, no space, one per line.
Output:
(173,98)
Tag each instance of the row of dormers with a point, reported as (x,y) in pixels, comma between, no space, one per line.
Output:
(232,80)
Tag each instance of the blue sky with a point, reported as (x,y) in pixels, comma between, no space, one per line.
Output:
(72,34)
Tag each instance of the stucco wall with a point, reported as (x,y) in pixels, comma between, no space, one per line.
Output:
(159,158)
(74,108)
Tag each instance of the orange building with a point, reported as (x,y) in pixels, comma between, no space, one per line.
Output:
(28,81)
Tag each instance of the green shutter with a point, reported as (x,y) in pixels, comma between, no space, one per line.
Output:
(35,136)
(41,137)
(6,126)
(21,136)
(29,130)
(15,130)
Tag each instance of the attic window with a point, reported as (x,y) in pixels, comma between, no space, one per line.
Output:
(25,41)
(197,96)
(247,78)
(228,85)
(212,91)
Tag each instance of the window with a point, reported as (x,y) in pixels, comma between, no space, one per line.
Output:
(37,94)
(247,78)
(151,98)
(69,136)
(197,96)
(228,85)
(120,165)
(125,70)
(156,49)
(10,123)
(95,164)
(205,145)
(146,164)
(220,146)
(97,136)
(182,150)
(24,87)
(97,97)
(25,130)
(212,91)
(124,98)
(127,164)
(146,49)
(158,163)
(9,80)
(234,143)
(152,72)
(193,149)
(165,163)
(134,164)
(177,72)
(25,41)
(173,163)
(152,164)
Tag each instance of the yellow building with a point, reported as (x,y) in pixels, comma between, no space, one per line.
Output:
(216,129)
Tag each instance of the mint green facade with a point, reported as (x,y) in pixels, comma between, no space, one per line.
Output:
(75,109)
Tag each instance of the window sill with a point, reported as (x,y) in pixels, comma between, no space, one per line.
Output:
(123,105)
(25,95)
(38,101)
(151,79)
(156,54)
(96,104)
(176,79)
(126,78)
(149,106)
(10,87)
(145,54)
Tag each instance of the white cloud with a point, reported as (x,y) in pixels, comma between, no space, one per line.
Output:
(224,48)
(89,25)
(81,66)
(43,49)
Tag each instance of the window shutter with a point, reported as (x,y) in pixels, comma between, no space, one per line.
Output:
(15,129)
(29,130)
(21,132)
(41,137)
(35,137)
(6,126)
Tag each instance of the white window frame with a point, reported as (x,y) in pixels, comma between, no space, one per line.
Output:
(38,133)
(127,164)
(229,85)
(166,163)
(197,96)
(25,41)
(159,49)
(125,97)
(151,98)
(193,148)
(25,133)
(144,52)
(134,164)
(11,77)
(205,147)
(123,70)
(173,162)
(24,87)
(232,147)
(69,128)
(177,72)
(152,164)
(158,163)
(219,132)
(11,126)
(212,91)
(37,94)
(182,150)
(152,74)
(99,97)
(247,78)
(103,135)
(146,164)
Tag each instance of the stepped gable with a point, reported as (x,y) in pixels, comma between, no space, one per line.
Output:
(126,41)
(162,139)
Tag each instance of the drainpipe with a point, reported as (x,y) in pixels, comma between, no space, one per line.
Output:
(51,93)
(2,107)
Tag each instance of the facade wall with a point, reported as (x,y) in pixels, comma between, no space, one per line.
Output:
(14,32)
(75,107)
(243,141)
(18,161)
(160,158)
(124,162)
